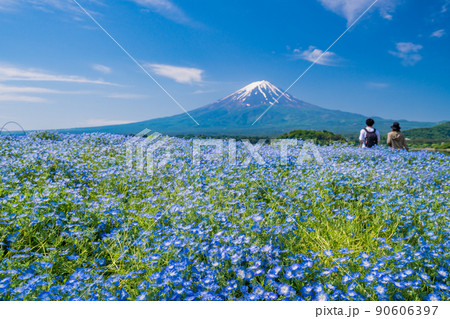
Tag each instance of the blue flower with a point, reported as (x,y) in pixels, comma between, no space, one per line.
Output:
(433,297)
(380,291)
(270,296)
(285,290)
(307,290)
(258,290)
(424,276)
(142,297)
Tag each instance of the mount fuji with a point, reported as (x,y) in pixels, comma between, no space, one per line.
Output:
(235,114)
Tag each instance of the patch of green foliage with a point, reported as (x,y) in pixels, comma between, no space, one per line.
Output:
(437,137)
(319,137)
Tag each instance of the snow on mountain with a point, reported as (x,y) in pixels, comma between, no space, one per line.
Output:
(259,93)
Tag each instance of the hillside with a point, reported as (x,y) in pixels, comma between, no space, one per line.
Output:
(319,137)
(436,137)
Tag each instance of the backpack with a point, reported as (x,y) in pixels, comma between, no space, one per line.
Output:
(371,138)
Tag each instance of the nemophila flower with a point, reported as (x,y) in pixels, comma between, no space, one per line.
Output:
(424,276)
(369,278)
(259,272)
(344,250)
(350,217)
(442,272)
(307,290)
(257,218)
(274,272)
(45,296)
(346,279)
(399,285)
(249,275)
(46,265)
(288,274)
(258,290)
(366,263)
(380,291)
(142,297)
(433,297)
(252,297)
(328,253)
(285,290)
(266,248)
(407,273)
(294,267)
(330,286)
(240,273)
(321,296)
(270,296)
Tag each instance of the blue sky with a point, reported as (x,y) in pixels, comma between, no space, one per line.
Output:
(58,69)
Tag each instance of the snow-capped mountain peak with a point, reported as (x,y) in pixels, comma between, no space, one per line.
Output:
(257,93)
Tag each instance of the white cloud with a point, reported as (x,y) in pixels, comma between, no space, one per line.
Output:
(4,89)
(21,93)
(351,9)
(104,122)
(378,85)
(438,33)
(179,74)
(312,54)
(20,98)
(127,96)
(102,68)
(11,73)
(165,8)
(408,52)
(445,6)
(48,5)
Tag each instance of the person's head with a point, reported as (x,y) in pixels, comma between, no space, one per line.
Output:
(370,122)
(396,127)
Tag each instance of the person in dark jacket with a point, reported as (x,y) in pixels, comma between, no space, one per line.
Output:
(369,136)
(396,139)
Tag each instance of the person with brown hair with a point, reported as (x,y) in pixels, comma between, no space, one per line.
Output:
(396,139)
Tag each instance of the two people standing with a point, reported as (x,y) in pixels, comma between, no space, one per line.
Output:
(370,136)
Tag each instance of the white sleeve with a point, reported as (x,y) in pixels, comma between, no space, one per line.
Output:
(379,136)
(362,135)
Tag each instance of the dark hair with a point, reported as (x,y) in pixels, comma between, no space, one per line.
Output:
(370,122)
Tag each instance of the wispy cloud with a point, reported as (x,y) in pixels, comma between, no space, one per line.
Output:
(179,74)
(408,52)
(378,85)
(102,68)
(312,54)
(445,6)
(11,73)
(48,5)
(104,122)
(27,93)
(5,89)
(21,98)
(438,34)
(127,96)
(350,9)
(203,91)
(167,9)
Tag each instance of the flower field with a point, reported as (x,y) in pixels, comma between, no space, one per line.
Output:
(76,223)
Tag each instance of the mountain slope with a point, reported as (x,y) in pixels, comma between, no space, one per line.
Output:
(432,135)
(235,114)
